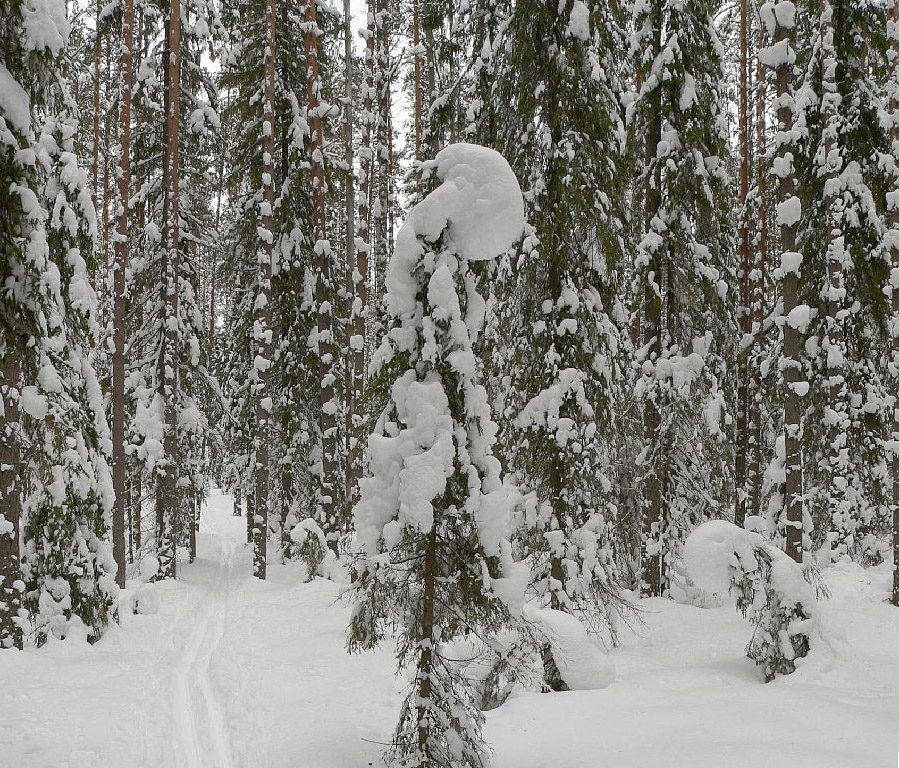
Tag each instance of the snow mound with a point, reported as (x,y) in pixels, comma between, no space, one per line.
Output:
(581,664)
(146,601)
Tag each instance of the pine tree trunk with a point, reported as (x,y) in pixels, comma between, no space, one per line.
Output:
(832,345)
(353,398)
(653,512)
(426,644)
(416,83)
(360,310)
(192,532)
(167,505)
(251,516)
(95,160)
(792,342)
(744,393)
(104,221)
(138,508)
(118,307)
(328,410)
(262,327)
(758,284)
(10,499)
(894,282)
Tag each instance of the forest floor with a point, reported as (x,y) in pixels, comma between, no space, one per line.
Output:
(232,672)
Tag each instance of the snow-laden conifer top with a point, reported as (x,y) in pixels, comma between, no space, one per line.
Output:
(480,203)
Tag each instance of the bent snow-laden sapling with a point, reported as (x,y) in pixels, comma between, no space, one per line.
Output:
(434,560)
(769,586)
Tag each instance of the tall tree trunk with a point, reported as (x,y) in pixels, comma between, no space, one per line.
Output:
(251,515)
(744,393)
(653,511)
(426,644)
(95,160)
(10,499)
(138,508)
(417,97)
(353,398)
(167,506)
(118,307)
(758,280)
(104,220)
(360,309)
(792,343)
(894,280)
(262,331)
(837,417)
(328,409)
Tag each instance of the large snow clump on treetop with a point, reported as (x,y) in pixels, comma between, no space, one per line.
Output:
(479,200)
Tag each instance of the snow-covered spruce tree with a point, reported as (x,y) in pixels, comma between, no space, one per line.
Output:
(770,590)
(434,560)
(550,104)
(676,136)
(55,432)
(843,270)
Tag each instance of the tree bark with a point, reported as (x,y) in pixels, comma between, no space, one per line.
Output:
(353,398)
(10,499)
(167,505)
(833,339)
(262,327)
(360,308)
(417,96)
(758,282)
(894,281)
(653,514)
(118,307)
(95,160)
(328,409)
(744,393)
(426,644)
(792,342)
(251,516)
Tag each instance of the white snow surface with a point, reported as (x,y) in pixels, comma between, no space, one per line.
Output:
(232,672)
(581,664)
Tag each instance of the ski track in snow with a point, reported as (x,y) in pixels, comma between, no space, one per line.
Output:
(201,732)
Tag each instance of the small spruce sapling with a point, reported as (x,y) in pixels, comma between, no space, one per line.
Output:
(432,524)
(770,589)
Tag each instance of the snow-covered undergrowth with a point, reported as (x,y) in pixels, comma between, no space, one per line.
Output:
(267,659)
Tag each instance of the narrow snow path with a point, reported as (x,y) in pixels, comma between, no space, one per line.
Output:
(201,733)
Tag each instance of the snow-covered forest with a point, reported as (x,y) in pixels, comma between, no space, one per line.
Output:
(449,383)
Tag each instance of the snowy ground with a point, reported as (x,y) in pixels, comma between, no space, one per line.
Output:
(236,673)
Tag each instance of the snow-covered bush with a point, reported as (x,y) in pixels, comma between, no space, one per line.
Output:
(770,589)
(311,547)
(432,524)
